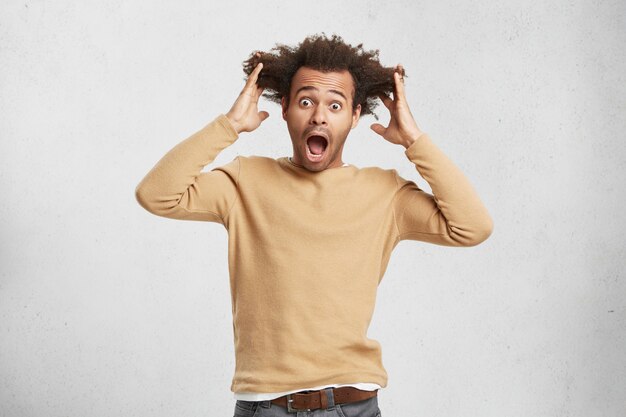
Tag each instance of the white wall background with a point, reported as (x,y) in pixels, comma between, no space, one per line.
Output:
(107,310)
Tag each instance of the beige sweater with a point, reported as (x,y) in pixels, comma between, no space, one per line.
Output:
(307,250)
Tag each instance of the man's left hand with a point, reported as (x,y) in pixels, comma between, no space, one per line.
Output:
(402,129)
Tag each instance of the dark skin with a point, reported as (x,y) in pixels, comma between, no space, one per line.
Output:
(320,102)
(402,129)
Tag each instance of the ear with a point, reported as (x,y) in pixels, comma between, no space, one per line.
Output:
(283,104)
(355,116)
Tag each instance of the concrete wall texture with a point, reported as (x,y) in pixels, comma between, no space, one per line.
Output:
(107,310)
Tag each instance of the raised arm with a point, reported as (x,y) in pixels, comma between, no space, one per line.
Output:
(454,215)
(176,188)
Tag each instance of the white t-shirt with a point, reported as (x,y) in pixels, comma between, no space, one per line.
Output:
(260,396)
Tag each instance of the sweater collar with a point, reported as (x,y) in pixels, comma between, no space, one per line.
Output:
(288,158)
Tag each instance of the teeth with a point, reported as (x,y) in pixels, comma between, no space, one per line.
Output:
(312,155)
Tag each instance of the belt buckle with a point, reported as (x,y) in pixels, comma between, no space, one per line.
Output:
(291,409)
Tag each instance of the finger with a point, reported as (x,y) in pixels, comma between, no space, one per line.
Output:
(401,71)
(249,88)
(254,76)
(378,128)
(387,101)
(259,91)
(263,115)
(399,84)
(257,71)
(398,90)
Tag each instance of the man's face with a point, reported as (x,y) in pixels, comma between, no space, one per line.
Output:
(320,116)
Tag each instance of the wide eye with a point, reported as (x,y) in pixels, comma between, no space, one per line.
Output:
(336,106)
(304,101)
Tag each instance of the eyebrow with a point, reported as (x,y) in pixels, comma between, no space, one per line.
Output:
(309,87)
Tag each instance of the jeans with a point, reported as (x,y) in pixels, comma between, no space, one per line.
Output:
(363,408)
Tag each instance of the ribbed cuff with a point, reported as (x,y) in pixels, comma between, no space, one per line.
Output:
(228,126)
(414,148)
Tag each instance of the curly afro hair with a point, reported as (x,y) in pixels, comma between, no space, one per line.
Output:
(320,53)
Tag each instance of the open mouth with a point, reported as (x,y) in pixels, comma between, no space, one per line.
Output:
(316,147)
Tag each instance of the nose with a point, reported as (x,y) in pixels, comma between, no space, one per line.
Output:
(319,116)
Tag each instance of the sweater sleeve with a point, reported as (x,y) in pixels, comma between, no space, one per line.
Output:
(453,216)
(176,188)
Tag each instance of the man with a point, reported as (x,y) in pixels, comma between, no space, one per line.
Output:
(310,236)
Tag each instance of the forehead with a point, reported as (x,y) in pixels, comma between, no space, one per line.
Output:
(324,82)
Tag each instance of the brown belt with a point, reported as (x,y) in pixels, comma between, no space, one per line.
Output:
(312,400)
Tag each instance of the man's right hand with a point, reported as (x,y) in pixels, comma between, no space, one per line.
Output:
(244,115)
